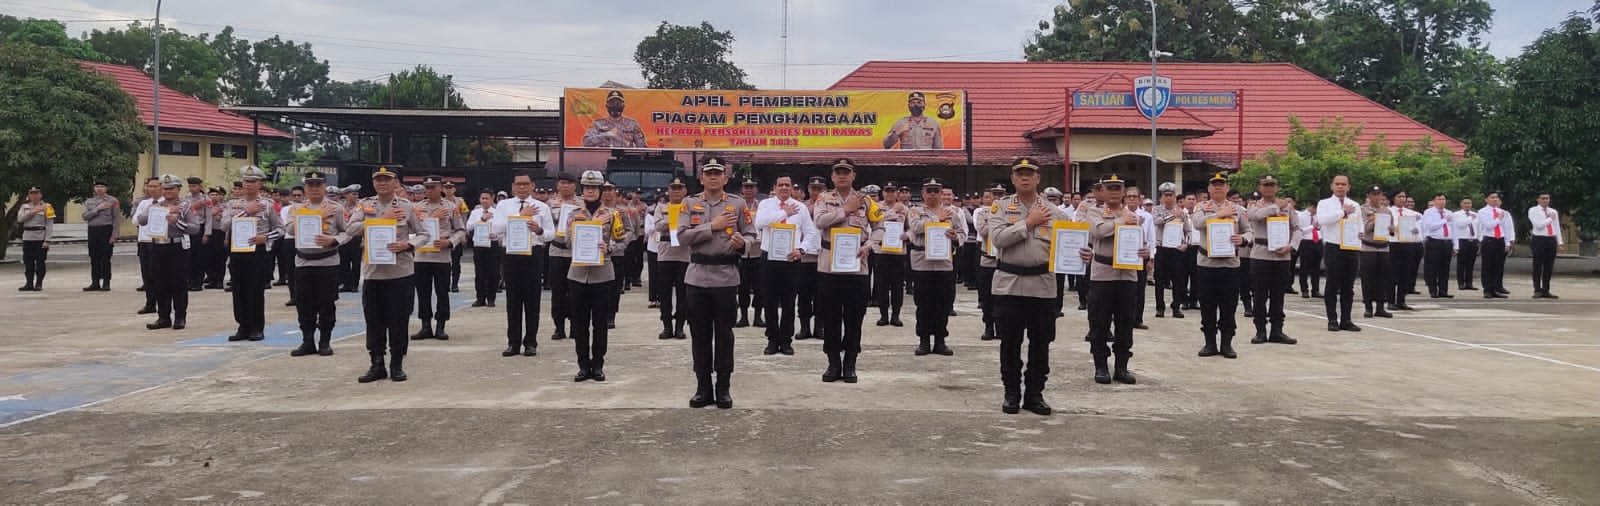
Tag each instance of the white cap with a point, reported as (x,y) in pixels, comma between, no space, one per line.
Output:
(1052,192)
(592,178)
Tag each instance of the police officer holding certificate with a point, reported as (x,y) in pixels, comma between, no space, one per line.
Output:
(386,292)
(593,286)
(842,284)
(1217,274)
(249,269)
(1024,288)
(935,278)
(1269,269)
(316,268)
(1113,292)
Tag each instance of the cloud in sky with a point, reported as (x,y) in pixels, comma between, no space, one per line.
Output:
(514,54)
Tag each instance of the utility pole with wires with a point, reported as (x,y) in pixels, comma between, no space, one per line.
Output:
(783,35)
(155,113)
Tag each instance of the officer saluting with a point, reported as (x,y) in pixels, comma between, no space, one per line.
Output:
(840,311)
(1217,278)
(100,214)
(433,260)
(249,268)
(592,287)
(1113,293)
(316,269)
(1024,290)
(935,278)
(717,233)
(386,293)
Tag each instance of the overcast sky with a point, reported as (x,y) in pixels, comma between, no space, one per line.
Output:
(516,53)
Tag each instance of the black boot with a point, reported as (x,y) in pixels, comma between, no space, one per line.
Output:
(939,347)
(1176,310)
(160,323)
(744,320)
(1102,372)
(1122,375)
(307,347)
(922,346)
(425,333)
(1366,311)
(831,374)
(1013,399)
(1382,312)
(180,322)
(561,331)
(324,344)
(702,391)
(376,372)
(1034,401)
(395,372)
(666,330)
(724,401)
(760,320)
(1227,346)
(848,373)
(1210,349)
(438,333)
(883,319)
(677,332)
(894,319)
(1261,335)
(1278,336)
(805,330)
(988,332)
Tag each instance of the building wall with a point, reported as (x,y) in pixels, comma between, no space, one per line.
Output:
(216,171)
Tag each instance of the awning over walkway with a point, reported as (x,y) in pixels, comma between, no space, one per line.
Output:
(537,125)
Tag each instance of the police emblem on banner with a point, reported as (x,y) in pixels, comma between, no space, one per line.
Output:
(1152,95)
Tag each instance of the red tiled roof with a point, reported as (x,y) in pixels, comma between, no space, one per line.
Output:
(1010,98)
(179,112)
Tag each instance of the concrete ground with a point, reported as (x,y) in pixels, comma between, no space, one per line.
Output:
(1464,401)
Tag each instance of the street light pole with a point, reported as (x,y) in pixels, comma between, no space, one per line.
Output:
(444,140)
(1154,55)
(155,115)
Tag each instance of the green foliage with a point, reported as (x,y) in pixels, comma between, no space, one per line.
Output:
(689,58)
(1193,30)
(267,72)
(1315,156)
(1542,137)
(187,63)
(46,33)
(61,128)
(420,88)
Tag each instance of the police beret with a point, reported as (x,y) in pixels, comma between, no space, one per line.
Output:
(1374,189)
(1111,178)
(932,183)
(676,183)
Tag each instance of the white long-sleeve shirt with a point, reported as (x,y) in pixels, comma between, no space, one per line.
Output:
(1308,227)
(1436,224)
(1464,222)
(513,206)
(1496,222)
(1546,223)
(1330,210)
(770,211)
(144,230)
(497,227)
(652,241)
(1413,235)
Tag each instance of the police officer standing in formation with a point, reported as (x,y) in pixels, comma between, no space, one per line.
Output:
(618,249)
(1377,268)
(1169,263)
(889,266)
(672,261)
(216,240)
(1024,288)
(562,204)
(1442,245)
(455,253)
(487,254)
(1499,232)
(1218,278)
(316,278)
(986,260)
(750,266)
(1309,254)
(1270,267)
(805,283)
(249,269)
(350,253)
(935,277)
(523,273)
(716,234)
(1406,254)
(199,237)
(283,248)
(386,290)
(100,214)
(1113,293)
(593,288)
(779,275)
(37,220)
(1341,263)
(843,211)
(433,261)
(1465,223)
(169,254)
(1546,242)
(152,192)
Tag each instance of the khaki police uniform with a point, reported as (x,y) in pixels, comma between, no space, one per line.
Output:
(841,300)
(593,292)
(316,272)
(935,279)
(1217,280)
(100,215)
(712,283)
(387,291)
(432,278)
(37,221)
(1024,294)
(1269,271)
(249,270)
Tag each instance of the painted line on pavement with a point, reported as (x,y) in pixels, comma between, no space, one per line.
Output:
(1460,343)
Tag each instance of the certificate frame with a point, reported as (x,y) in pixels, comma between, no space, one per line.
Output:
(1381,223)
(246,223)
(1167,231)
(1349,235)
(1408,229)
(1127,236)
(379,254)
(302,220)
(928,232)
(894,234)
(1278,223)
(673,210)
(157,223)
(781,230)
(566,211)
(482,234)
(1063,259)
(581,254)
(851,263)
(520,224)
(430,228)
(1226,248)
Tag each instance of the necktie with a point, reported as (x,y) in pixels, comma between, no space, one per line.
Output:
(1550,227)
(1446,221)
(1497,234)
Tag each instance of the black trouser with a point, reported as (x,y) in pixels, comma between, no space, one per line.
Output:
(199,257)
(556,276)
(986,294)
(635,252)
(889,284)
(711,315)
(349,265)
(523,290)
(432,281)
(778,285)
(1544,262)
(652,264)
(1083,289)
(1465,259)
(1018,317)
(969,264)
(144,274)
(1219,298)
(1144,281)
(217,267)
(750,283)
(1271,278)
(1061,287)
(541,260)
(1193,265)
(1171,273)
(386,304)
(455,265)
(1377,279)
(249,288)
(1339,294)
(1494,264)
(591,311)
(935,296)
(1310,259)
(805,293)
(486,272)
(671,289)
(841,303)
(317,289)
(1244,283)
(1436,266)
(1404,257)
(283,254)
(169,279)
(100,249)
(33,256)
(1112,302)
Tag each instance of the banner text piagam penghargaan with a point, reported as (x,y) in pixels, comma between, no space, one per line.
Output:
(603,118)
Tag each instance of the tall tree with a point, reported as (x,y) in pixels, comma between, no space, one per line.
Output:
(1198,30)
(420,88)
(188,64)
(689,58)
(61,128)
(271,71)
(1541,137)
(46,33)
(340,94)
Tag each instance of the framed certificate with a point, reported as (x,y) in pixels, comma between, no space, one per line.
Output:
(1382,227)
(1172,234)
(307,227)
(1350,235)
(430,228)
(1067,238)
(566,219)
(1408,228)
(156,219)
(846,249)
(780,241)
(586,239)
(936,243)
(244,229)
(894,234)
(1277,232)
(672,223)
(482,234)
(519,240)
(1129,239)
(380,233)
(1219,239)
